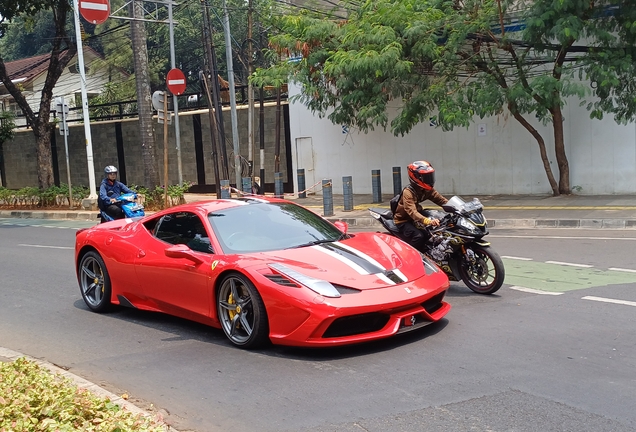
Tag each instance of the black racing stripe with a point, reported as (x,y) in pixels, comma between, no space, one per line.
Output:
(366,265)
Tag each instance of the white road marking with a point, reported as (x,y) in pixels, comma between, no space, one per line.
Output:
(44,246)
(517,258)
(608,300)
(560,237)
(622,269)
(534,291)
(569,264)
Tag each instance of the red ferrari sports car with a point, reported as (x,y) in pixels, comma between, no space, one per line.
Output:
(261,269)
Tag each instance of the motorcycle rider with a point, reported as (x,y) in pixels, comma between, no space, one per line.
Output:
(413,225)
(109,190)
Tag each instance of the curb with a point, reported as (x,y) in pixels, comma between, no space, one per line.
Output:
(368,221)
(82,383)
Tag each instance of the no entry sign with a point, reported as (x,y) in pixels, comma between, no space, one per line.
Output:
(176,81)
(94,11)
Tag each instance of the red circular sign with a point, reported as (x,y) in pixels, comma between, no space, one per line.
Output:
(94,11)
(176,81)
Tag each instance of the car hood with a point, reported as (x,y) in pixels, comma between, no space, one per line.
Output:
(365,261)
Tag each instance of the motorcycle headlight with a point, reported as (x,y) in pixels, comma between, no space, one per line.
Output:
(468,226)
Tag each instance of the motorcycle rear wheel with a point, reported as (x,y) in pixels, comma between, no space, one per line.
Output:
(486,274)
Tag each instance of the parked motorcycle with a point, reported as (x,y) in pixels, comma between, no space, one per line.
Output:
(457,246)
(128,203)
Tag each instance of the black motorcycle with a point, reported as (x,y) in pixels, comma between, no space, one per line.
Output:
(456,245)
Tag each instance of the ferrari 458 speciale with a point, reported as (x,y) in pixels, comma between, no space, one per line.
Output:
(263,270)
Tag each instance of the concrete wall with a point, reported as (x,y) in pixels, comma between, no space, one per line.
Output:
(501,159)
(20,154)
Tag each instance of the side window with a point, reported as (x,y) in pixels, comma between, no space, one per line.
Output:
(183,228)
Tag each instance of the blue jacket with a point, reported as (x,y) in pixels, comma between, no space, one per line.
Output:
(116,187)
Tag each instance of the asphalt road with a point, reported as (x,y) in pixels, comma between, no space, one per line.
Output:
(517,360)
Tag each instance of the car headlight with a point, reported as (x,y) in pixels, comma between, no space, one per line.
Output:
(319,286)
(429,265)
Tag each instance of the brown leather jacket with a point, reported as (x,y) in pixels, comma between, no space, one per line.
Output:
(409,208)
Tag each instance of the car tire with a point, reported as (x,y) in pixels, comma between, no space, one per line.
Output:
(94,282)
(241,312)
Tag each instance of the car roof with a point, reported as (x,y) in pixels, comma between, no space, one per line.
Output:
(213,205)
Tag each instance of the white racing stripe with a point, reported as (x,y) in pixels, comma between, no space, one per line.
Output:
(608,300)
(517,258)
(534,291)
(361,255)
(569,264)
(339,257)
(45,246)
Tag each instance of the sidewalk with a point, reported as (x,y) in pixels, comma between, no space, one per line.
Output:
(502,211)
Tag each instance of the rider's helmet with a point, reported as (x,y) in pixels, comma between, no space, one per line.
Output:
(110,169)
(422,175)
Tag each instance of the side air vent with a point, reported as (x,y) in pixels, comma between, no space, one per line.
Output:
(395,278)
(345,290)
(281,280)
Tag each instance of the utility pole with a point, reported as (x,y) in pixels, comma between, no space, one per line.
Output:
(230,78)
(250,92)
(140,54)
(215,87)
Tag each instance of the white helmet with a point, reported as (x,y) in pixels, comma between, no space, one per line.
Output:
(110,169)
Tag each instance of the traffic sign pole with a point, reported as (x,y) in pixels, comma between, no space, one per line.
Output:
(175,99)
(87,127)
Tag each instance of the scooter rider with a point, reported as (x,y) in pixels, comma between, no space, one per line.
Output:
(413,225)
(109,190)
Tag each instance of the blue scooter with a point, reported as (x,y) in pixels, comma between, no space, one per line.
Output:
(128,204)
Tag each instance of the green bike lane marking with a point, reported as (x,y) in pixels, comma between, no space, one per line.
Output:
(561,278)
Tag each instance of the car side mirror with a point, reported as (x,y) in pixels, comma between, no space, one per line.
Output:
(182,251)
(342,226)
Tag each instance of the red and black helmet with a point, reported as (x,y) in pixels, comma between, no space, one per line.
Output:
(422,174)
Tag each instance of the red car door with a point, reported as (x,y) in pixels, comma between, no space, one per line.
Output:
(178,286)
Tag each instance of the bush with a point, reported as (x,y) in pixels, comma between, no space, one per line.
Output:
(32,399)
(58,196)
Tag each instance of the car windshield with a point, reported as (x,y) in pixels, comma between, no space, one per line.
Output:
(260,227)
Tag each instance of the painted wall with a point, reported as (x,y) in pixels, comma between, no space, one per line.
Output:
(501,159)
(20,161)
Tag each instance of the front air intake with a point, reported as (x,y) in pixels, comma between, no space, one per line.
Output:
(356,324)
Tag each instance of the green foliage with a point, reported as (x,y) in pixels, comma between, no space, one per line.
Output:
(32,399)
(6,126)
(54,196)
(153,199)
(395,63)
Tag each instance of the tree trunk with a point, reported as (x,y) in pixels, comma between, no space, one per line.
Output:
(144,101)
(544,154)
(559,148)
(42,132)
